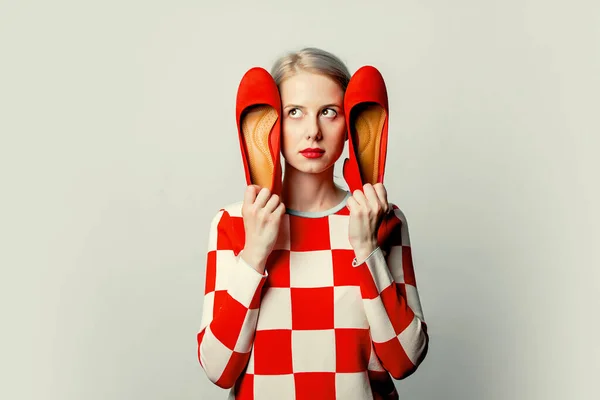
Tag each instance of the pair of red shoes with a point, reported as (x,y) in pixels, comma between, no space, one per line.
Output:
(258,112)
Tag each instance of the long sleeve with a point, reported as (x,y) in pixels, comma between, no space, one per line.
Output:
(391,301)
(231,302)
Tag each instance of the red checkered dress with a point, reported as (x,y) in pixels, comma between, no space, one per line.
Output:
(316,325)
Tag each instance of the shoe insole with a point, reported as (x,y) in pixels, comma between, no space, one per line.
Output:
(368,128)
(256,126)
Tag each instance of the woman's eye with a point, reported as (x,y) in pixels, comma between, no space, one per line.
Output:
(295,113)
(329,113)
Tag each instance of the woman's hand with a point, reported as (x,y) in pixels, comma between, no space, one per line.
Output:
(367,209)
(262,214)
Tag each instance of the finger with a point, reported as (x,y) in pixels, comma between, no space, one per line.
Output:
(272,204)
(382,195)
(280,210)
(351,204)
(359,197)
(250,194)
(262,198)
(372,199)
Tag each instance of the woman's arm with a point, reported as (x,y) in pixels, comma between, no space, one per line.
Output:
(231,302)
(391,301)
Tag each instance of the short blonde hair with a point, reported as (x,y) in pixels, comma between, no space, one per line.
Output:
(311,59)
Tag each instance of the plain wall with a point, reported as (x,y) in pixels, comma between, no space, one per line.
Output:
(119,145)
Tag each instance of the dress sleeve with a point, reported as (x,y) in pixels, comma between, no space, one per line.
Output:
(391,301)
(231,301)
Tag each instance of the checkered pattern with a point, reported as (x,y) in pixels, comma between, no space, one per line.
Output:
(328,327)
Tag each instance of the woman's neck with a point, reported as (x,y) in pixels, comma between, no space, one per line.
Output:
(310,192)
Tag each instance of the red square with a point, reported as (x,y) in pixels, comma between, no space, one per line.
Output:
(224,232)
(407,266)
(230,233)
(344,274)
(273,352)
(401,288)
(308,234)
(278,267)
(390,232)
(220,297)
(393,356)
(244,387)
(400,317)
(227,330)
(238,234)
(368,288)
(211,272)
(312,308)
(352,350)
(315,385)
(237,362)
(343,211)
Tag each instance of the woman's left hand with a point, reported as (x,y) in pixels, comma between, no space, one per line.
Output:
(367,209)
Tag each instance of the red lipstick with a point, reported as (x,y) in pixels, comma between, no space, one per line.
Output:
(312,153)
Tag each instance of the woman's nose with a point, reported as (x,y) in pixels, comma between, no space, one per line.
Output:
(313,130)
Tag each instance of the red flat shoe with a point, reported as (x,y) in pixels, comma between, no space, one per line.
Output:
(366,109)
(258,110)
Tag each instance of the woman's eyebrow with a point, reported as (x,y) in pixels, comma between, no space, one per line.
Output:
(301,107)
(293,106)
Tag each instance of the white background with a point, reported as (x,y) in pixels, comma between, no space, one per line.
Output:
(118,146)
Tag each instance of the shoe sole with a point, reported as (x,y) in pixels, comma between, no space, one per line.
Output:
(256,127)
(368,128)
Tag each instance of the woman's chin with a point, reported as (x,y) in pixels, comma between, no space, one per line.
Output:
(312,167)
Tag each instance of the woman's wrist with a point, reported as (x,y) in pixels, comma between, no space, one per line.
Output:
(364,250)
(255,259)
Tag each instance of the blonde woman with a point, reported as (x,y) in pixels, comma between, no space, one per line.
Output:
(310,291)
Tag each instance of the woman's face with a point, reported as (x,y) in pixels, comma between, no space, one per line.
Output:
(313,123)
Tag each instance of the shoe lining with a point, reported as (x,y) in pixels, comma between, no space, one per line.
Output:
(368,127)
(256,126)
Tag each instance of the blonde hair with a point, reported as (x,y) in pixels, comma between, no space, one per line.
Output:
(311,59)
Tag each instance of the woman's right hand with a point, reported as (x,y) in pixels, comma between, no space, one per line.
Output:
(262,213)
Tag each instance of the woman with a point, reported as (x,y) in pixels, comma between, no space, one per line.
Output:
(305,296)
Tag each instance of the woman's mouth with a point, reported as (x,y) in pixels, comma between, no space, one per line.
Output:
(312,153)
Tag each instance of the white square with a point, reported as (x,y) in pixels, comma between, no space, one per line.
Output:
(246,338)
(275,309)
(207,310)
(413,301)
(412,340)
(313,351)
(274,387)
(381,326)
(379,270)
(234,209)
(348,310)
(250,366)
(338,232)
(243,285)
(352,386)
(283,238)
(226,261)
(216,352)
(374,363)
(394,261)
(309,269)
